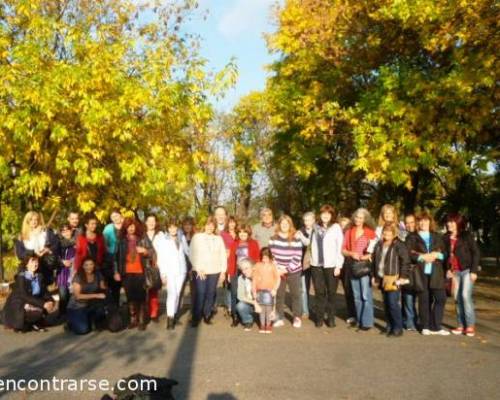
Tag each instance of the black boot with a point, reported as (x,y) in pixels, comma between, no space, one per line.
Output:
(132,310)
(235,321)
(142,316)
(330,322)
(170,323)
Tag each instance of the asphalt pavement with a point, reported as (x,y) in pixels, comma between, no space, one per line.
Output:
(220,362)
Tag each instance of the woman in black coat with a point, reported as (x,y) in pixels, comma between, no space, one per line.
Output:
(427,252)
(463,265)
(29,301)
(391,264)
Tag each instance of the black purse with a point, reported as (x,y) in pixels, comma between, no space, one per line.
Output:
(153,278)
(416,280)
(359,269)
(50,262)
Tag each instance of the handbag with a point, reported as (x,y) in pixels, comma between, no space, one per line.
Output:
(50,261)
(416,281)
(360,269)
(389,283)
(153,278)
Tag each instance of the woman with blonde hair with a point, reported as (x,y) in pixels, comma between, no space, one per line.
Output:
(287,252)
(33,235)
(388,215)
(37,240)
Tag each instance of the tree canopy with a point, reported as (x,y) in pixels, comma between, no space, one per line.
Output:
(100,102)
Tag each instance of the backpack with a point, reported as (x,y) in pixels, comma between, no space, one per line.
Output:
(116,318)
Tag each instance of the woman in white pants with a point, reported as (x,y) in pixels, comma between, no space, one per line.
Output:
(171,254)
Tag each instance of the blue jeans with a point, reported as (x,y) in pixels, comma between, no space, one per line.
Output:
(80,320)
(462,293)
(232,294)
(392,310)
(363,301)
(204,298)
(306,284)
(409,314)
(64,296)
(245,311)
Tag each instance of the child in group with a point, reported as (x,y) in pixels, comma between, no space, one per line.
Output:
(265,283)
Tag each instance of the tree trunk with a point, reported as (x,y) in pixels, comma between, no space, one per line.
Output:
(244,202)
(410,196)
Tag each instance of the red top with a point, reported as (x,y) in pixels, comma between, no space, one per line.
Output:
(454,261)
(360,244)
(253,254)
(82,250)
(227,238)
(133,267)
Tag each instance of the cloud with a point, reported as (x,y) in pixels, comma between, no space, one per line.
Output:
(243,16)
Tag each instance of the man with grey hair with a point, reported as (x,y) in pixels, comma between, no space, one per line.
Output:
(265,229)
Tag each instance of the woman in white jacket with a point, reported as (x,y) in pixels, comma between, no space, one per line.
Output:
(326,264)
(171,250)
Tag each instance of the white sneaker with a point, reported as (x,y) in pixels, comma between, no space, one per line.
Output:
(351,321)
(426,332)
(297,323)
(278,323)
(442,332)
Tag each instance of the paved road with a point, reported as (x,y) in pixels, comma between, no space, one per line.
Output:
(218,362)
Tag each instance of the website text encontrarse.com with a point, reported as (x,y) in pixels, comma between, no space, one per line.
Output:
(75,385)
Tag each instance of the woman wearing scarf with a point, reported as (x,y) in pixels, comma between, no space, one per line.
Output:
(29,301)
(131,259)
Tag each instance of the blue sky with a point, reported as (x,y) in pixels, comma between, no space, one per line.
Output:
(235,28)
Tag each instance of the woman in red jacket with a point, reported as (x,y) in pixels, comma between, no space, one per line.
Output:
(90,244)
(243,247)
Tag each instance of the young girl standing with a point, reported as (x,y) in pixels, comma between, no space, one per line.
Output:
(265,283)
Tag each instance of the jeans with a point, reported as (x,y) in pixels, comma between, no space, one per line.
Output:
(245,311)
(325,287)
(205,292)
(114,287)
(363,301)
(293,282)
(349,297)
(462,293)
(392,310)
(80,320)
(64,296)
(232,294)
(409,313)
(306,285)
(431,304)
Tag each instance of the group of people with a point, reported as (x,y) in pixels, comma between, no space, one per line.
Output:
(409,261)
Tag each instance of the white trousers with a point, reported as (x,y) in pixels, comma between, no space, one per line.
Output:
(174,287)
